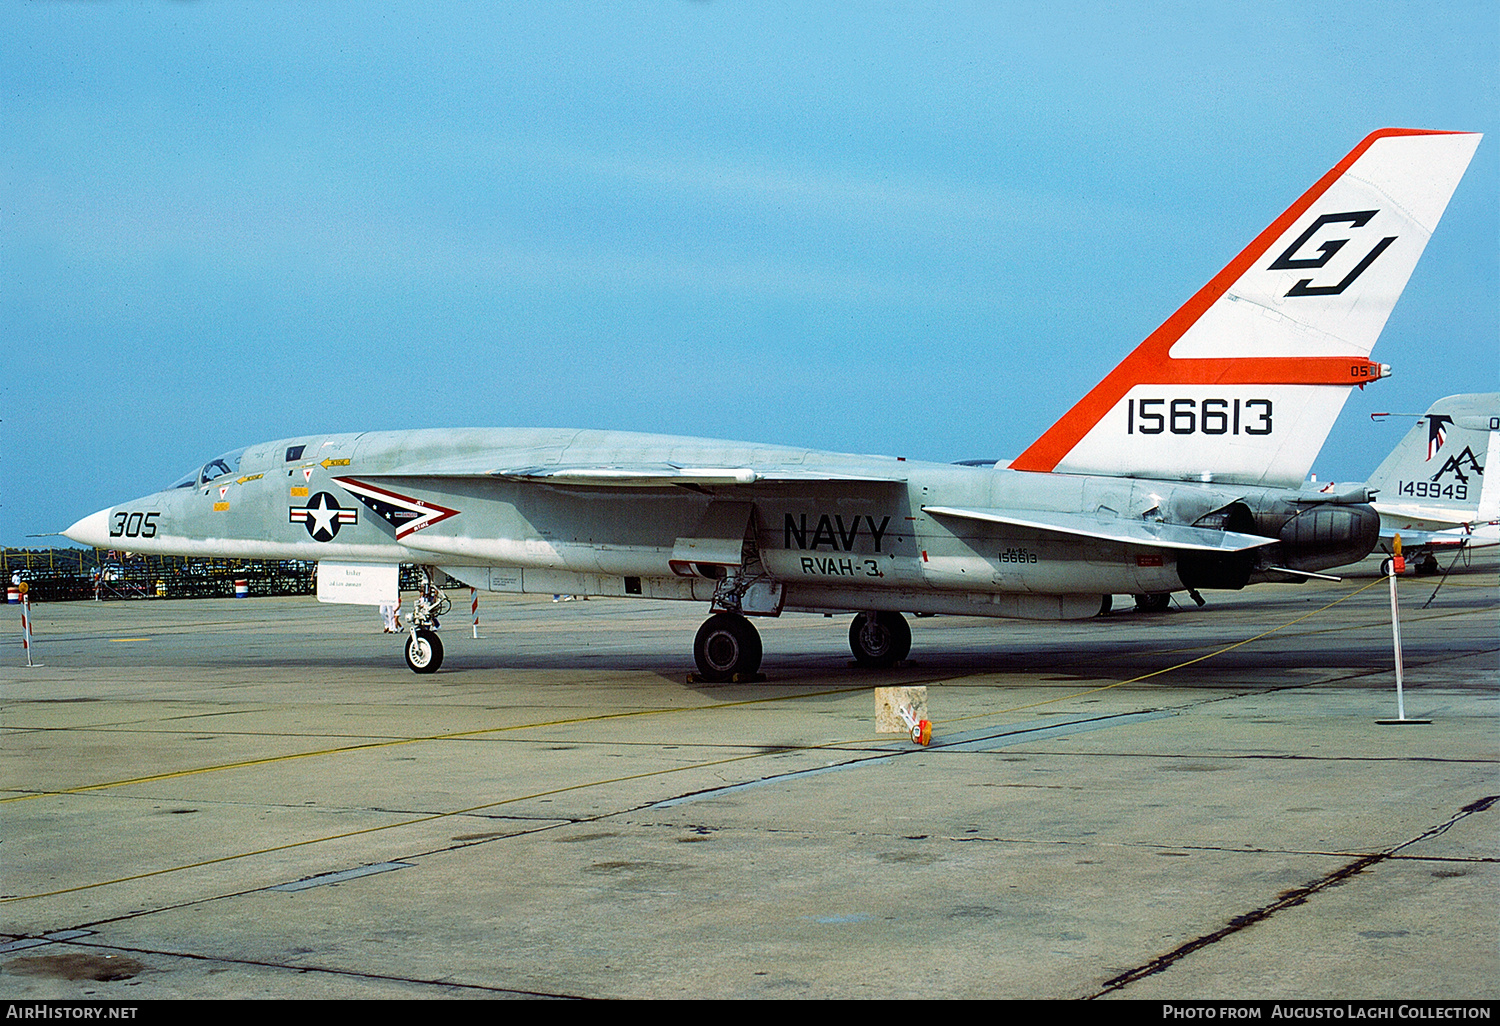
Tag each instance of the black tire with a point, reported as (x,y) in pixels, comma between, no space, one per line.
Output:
(1428,566)
(1385,567)
(424,651)
(1158,603)
(727,646)
(879,640)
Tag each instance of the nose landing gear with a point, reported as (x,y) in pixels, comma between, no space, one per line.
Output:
(424,649)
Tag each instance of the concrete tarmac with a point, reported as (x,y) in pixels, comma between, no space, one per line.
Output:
(255,798)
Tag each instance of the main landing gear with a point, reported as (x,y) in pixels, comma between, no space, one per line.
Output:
(1159,602)
(879,640)
(1425,567)
(727,646)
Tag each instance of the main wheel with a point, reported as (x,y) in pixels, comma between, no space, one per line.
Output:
(424,651)
(727,645)
(1157,603)
(1428,566)
(879,640)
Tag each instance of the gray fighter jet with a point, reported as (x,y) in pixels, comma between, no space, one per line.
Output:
(1182,470)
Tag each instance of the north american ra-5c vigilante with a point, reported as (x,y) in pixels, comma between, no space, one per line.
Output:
(1182,470)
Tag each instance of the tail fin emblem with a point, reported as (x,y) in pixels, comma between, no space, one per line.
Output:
(1437,434)
(1305,287)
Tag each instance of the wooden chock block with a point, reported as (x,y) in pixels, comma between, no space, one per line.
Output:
(902,710)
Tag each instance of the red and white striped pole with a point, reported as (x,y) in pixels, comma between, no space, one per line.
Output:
(26,624)
(474,608)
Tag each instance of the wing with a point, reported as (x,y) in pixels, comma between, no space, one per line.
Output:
(1127,532)
(635,475)
(667,474)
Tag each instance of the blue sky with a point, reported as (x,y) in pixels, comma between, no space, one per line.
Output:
(854,226)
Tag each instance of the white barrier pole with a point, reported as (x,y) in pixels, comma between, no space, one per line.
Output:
(1398,564)
(1396,641)
(474,608)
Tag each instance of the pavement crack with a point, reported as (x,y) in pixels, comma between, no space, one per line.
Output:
(1285,900)
(446,983)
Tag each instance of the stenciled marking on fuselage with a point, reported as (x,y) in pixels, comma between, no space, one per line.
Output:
(834,566)
(1433,490)
(133,524)
(1017,556)
(832,532)
(1185,417)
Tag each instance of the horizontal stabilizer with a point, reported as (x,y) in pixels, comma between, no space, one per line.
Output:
(1478,536)
(1409,515)
(1116,529)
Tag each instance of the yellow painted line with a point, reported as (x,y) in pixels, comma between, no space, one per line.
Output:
(389,826)
(1182,665)
(1199,659)
(117,640)
(594,783)
(1406,617)
(456,735)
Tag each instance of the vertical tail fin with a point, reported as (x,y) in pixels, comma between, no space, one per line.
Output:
(1243,383)
(1435,475)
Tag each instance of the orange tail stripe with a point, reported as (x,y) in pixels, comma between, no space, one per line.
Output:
(1151,364)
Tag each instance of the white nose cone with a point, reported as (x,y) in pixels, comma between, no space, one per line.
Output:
(92,530)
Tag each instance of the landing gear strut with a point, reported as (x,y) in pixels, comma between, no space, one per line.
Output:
(424,649)
(727,646)
(879,640)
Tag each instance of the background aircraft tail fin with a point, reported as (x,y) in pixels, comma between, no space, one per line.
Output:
(1243,383)
(1436,472)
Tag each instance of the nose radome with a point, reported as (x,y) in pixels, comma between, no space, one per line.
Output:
(91,530)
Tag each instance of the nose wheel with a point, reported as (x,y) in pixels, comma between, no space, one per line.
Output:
(424,651)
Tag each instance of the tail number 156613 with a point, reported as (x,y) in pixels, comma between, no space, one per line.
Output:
(1193,416)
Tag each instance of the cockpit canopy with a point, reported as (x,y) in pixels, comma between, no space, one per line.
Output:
(227,464)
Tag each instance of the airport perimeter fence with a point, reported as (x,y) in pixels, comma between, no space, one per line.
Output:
(60,575)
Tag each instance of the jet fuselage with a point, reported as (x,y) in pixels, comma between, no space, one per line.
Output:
(837,531)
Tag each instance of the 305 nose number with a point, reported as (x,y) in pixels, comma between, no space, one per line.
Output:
(133,525)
